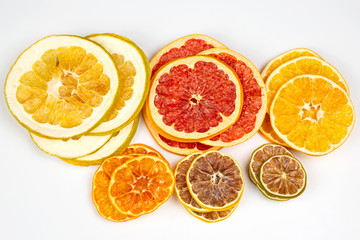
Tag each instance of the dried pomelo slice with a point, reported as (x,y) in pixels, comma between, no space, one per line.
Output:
(183,47)
(268,132)
(134,74)
(194,98)
(70,148)
(212,216)
(115,146)
(312,114)
(283,176)
(215,181)
(49,89)
(300,66)
(141,185)
(100,188)
(254,106)
(143,149)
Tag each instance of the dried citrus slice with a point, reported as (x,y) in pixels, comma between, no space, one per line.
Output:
(212,216)
(100,188)
(268,132)
(183,47)
(301,66)
(70,148)
(270,196)
(116,145)
(62,86)
(283,176)
(215,181)
(141,185)
(254,106)
(134,74)
(312,114)
(194,98)
(139,148)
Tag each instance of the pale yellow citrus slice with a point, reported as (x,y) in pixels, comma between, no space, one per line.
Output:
(62,86)
(134,72)
(312,114)
(212,216)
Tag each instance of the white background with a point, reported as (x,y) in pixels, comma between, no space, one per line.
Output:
(42,197)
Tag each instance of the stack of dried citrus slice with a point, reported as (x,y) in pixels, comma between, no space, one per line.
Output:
(79,97)
(309,108)
(277,173)
(132,184)
(209,185)
(203,96)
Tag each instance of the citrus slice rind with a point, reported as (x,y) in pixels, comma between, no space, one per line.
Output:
(183,47)
(270,196)
(268,132)
(212,216)
(254,103)
(215,181)
(70,148)
(134,72)
(49,89)
(283,176)
(143,149)
(116,145)
(182,109)
(141,185)
(312,114)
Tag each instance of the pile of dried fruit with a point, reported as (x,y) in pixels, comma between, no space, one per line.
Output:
(79,97)
(203,96)
(209,185)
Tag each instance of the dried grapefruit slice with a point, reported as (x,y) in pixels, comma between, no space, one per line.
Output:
(62,86)
(215,181)
(194,98)
(283,176)
(254,106)
(183,47)
(312,114)
(141,185)
(134,74)
(212,216)
(143,149)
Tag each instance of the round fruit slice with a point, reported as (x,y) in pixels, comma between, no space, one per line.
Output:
(143,149)
(283,176)
(100,188)
(270,196)
(62,86)
(70,148)
(194,98)
(215,181)
(141,185)
(312,114)
(115,146)
(134,74)
(183,47)
(300,66)
(181,188)
(254,106)
(260,155)
(213,216)
(268,132)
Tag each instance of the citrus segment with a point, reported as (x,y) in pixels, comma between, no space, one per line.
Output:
(212,216)
(254,106)
(183,47)
(194,98)
(141,185)
(62,86)
(312,114)
(215,181)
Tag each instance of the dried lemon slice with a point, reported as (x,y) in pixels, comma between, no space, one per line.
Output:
(62,86)
(212,216)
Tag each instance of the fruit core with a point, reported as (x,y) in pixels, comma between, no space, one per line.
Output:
(216,177)
(141,184)
(311,112)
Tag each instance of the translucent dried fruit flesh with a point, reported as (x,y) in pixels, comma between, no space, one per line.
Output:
(215,181)
(312,114)
(141,149)
(141,185)
(185,145)
(268,132)
(283,176)
(212,216)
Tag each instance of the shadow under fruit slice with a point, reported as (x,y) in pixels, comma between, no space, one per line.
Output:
(215,181)
(254,105)
(212,216)
(183,47)
(194,98)
(141,185)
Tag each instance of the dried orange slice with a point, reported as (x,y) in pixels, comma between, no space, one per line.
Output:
(254,106)
(143,149)
(283,176)
(215,181)
(212,216)
(141,185)
(62,86)
(183,47)
(312,114)
(268,132)
(194,98)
